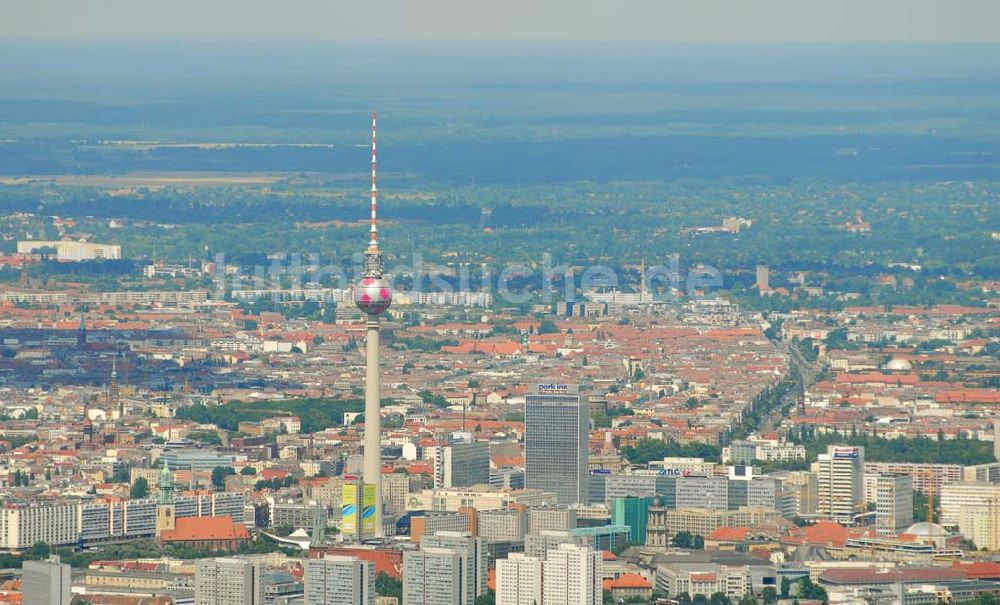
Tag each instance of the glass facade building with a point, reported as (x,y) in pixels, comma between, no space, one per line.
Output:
(556,430)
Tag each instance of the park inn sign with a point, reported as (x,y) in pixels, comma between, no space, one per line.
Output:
(555,388)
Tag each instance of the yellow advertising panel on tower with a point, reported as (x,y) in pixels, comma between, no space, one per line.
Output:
(368,520)
(349,509)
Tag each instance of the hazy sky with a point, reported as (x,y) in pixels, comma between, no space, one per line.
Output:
(609,20)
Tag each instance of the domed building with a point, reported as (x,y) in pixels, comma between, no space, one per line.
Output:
(929,532)
(899,365)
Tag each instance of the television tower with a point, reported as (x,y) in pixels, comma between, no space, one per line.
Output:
(373,296)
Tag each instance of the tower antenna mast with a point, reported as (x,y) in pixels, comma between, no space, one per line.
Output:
(373,295)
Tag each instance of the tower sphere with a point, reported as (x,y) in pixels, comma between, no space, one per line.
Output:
(373,295)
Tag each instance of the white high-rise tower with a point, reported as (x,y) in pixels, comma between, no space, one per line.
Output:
(373,296)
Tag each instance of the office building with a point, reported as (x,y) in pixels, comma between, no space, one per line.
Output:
(606,487)
(893,504)
(703,492)
(46,582)
(519,580)
(556,432)
(395,487)
(680,466)
(502,525)
(968,496)
(433,576)
(632,512)
(664,522)
(430,523)
(71,251)
(572,575)
(704,579)
(339,580)
(797,494)
(840,483)
(507,477)
(746,451)
(228,581)
(464,462)
(479,497)
(925,476)
(539,544)
(474,561)
(984,473)
(559,518)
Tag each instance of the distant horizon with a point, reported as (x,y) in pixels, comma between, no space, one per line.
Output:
(497,43)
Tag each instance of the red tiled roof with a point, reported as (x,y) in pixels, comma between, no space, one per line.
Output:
(629,580)
(980,570)
(188,529)
(729,534)
(390,562)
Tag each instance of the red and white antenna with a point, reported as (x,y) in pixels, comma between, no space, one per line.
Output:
(373,243)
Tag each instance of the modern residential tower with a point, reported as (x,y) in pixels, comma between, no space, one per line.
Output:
(373,296)
(228,581)
(338,580)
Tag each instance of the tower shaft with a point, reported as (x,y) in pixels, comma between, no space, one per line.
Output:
(372,471)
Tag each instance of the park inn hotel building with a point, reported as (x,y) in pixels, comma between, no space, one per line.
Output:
(556,433)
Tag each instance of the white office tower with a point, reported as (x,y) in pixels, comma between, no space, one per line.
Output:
(464,462)
(474,560)
(572,575)
(228,581)
(556,435)
(893,504)
(432,576)
(519,580)
(337,580)
(840,483)
(46,582)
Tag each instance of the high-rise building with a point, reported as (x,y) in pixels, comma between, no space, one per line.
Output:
(559,518)
(395,487)
(464,462)
(502,525)
(632,512)
(556,431)
(996,441)
(702,492)
(519,580)
(474,561)
(433,576)
(24,525)
(339,580)
(967,495)
(46,582)
(797,494)
(228,581)
(763,281)
(373,295)
(572,575)
(893,504)
(840,482)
